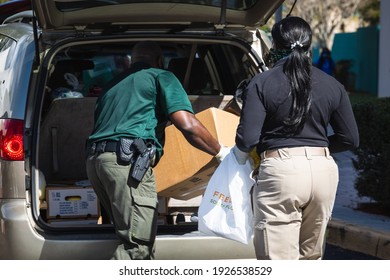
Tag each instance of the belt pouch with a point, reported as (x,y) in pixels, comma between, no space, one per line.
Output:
(125,152)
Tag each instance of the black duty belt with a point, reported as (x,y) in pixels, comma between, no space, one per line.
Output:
(102,147)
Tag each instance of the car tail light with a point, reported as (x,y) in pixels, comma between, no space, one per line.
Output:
(11,139)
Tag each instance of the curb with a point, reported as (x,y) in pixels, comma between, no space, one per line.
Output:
(359,239)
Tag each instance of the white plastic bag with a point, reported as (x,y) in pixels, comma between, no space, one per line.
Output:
(226,209)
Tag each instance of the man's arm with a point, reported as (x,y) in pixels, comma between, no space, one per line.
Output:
(195,132)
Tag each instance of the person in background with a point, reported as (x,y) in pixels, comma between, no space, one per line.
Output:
(326,62)
(285,115)
(127,141)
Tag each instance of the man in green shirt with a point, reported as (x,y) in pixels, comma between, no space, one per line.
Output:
(138,107)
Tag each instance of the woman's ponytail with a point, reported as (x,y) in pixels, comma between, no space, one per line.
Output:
(294,33)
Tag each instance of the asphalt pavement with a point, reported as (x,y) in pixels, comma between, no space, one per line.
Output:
(353,229)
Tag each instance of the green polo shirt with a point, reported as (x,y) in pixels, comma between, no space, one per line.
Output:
(139,107)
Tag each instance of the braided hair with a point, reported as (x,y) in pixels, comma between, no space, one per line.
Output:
(294,34)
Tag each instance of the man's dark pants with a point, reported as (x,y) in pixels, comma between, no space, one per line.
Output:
(131,205)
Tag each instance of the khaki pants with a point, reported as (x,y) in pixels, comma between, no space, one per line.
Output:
(131,206)
(293,201)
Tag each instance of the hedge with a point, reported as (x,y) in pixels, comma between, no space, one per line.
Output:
(373,155)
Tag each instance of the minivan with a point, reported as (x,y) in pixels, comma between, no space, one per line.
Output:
(56,59)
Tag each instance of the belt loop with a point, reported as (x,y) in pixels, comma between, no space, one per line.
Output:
(308,153)
(103,146)
(327,153)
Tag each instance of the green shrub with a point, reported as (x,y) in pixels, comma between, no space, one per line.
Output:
(373,154)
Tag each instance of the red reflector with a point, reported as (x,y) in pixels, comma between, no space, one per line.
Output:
(11,139)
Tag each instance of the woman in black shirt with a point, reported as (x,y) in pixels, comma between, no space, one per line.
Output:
(286,114)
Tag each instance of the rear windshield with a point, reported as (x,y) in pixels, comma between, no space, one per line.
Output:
(76,5)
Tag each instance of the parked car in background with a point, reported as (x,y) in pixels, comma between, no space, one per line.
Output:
(55,63)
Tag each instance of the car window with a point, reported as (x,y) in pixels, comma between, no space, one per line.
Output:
(231,65)
(202,68)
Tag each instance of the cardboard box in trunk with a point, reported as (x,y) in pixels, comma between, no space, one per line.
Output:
(184,171)
(71,202)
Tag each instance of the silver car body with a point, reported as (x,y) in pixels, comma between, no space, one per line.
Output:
(26,59)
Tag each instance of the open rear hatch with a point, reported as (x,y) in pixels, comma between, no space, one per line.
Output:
(71,14)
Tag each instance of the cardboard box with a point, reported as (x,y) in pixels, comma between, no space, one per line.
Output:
(184,171)
(71,202)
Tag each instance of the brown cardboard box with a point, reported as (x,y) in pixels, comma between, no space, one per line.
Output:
(71,202)
(184,171)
